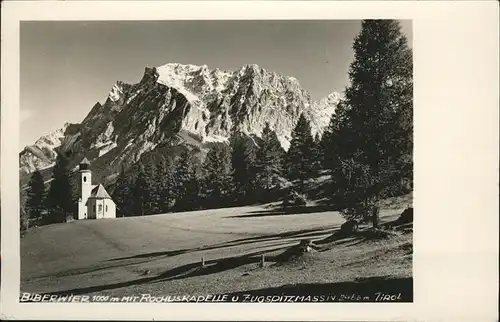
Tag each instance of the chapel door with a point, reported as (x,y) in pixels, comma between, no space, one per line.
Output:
(99,211)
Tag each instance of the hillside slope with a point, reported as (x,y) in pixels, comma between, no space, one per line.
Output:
(99,256)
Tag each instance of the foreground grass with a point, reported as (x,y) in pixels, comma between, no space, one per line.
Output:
(161,254)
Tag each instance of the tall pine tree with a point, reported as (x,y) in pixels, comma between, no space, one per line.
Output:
(316,154)
(371,135)
(122,194)
(140,192)
(35,196)
(243,155)
(152,196)
(217,177)
(268,161)
(331,143)
(299,160)
(59,197)
(165,185)
(186,186)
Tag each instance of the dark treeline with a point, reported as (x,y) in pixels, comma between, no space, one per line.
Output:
(367,149)
(41,206)
(244,171)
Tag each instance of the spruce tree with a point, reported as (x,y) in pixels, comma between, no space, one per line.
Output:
(316,154)
(74,181)
(217,177)
(165,184)
(381,78)
(163,193)
(122,194)
(186,183)
(140,191)
(24,220)
(334,136)
(299,161)
(35,196)
(151,195)
(59,197)
(372,132)
(243,158)
(269,161)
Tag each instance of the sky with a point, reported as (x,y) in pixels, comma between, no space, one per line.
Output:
(68,66)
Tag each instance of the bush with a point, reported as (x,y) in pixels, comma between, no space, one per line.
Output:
(362,211)
(349,226)
(294,199)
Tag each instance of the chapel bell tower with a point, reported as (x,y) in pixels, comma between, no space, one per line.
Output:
(85,188)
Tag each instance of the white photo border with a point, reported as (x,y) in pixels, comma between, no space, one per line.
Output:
(456,157)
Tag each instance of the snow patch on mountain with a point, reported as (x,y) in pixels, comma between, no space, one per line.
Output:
(41,155)
(115,93)
(186,104)
(321,112)
(215,138)
(106,148)
(52,140)
(105,137)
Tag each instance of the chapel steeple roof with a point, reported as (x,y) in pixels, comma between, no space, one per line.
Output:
(84,165)
(99,192)
(85,161)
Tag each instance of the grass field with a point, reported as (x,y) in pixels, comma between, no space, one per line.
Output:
(161,254)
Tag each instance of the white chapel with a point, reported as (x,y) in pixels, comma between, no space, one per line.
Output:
(94,201)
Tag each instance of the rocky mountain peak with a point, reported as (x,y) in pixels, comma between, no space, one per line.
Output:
(182,104)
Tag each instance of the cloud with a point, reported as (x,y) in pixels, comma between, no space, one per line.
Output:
(25,114)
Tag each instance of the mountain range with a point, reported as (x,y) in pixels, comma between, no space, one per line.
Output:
(179,105)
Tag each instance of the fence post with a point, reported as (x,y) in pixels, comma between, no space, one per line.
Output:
(262,260)
(203,262)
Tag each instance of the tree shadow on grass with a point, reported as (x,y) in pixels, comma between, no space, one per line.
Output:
(224,264)
(215,266)
(357,237)
(360,290)
(337,236)
(281,211)
(86,270)
(313,232)
(180,272)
